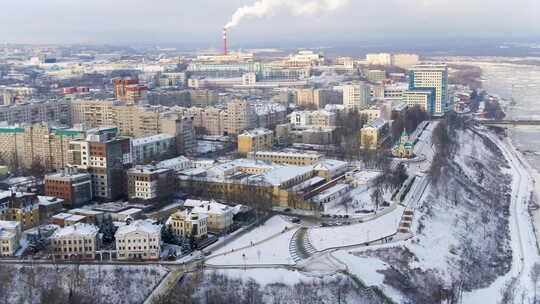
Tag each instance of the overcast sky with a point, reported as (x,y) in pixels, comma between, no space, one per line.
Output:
(200,21)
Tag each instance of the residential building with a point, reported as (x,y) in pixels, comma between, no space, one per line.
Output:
(20,207)
(219,216)
(138,240)
(203,98)
(189,224)
(150,184)
(78,241)
(255,140)
(240,116)
(10,235)
(374,134)
(120,86)
(320,118)
(356,96)
(429,77)
(376,76)
(290,158)
(47,144)
(36,112)
(153,147)
(177,164)
(136,120)
(103,157)
(74,187)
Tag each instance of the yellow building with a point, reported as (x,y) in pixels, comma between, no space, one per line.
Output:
(255,140)
(374,134)
(290,158)
(186,224)
(20,207)
(403,148)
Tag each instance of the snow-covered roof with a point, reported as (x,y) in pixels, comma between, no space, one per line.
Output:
(151,139)
(141,226)
(280,175)
(9,224)
(282,154)
(174,162)
(329,192)
(49,200)
(85,211)
(61,216)
(81,229)
(332,165)
(208,207)
(376,124)
(130,211)
(256,132)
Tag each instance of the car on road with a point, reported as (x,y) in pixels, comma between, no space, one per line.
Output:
(296,220)
(287,210)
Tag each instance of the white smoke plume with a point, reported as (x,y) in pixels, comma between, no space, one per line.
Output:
(263,8)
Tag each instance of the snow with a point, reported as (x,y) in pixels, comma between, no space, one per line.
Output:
(274,251)
(271,227)
(348,235)
(76,229)
(144,226)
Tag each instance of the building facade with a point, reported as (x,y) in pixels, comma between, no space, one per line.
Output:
(150,184)
(74,187)
(189,224)
(432,77)
(78,241)
(138,240)
(356,96)
(255,140)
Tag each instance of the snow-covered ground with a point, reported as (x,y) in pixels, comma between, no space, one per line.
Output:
(329,237)
(524,244)
(274,251)
(274,248)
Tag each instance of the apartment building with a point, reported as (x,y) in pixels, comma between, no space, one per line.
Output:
(78,241)
(319,118)
(10,235)
(74,187)
(255,140)
(20,207)
(376,76)
(152,147)
(240,116)
(317,98)
(36,112)
(356,96)
(140,240)
(103,156)
(137,120)
(374,134)
(150,184)
(44,143)
(203,98)
(189,224)
(290,158)
(219,216)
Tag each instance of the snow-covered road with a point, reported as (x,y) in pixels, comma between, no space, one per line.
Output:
(523,239)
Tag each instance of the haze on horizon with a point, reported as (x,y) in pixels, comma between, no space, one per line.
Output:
(184,21)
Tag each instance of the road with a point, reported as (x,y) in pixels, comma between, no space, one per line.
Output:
(523,239)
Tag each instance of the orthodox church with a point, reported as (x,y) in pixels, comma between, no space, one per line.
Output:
(403,148)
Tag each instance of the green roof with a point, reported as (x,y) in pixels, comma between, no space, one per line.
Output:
(11,130)
(404,133)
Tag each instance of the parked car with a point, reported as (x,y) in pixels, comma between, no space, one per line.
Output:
(295,220)
(287,210)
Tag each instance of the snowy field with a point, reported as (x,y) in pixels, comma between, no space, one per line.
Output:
(329,237)
(274,251)
(274,226)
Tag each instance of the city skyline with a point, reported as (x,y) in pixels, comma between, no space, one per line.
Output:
(169,21)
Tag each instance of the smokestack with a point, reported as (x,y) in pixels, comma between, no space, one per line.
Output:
(225,47)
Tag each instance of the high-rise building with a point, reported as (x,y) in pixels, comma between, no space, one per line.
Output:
(120,85)
(44,143)
(104,157)
(428,77)
(356,96)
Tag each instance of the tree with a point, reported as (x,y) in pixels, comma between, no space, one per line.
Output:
(535,277)
(36,169)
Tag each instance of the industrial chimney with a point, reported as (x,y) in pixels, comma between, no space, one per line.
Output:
(225,51)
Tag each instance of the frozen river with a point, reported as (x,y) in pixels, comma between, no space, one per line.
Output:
(522,82)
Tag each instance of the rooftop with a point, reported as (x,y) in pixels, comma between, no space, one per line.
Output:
(151,139)
(142,226)
(256,132)
(81,229)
